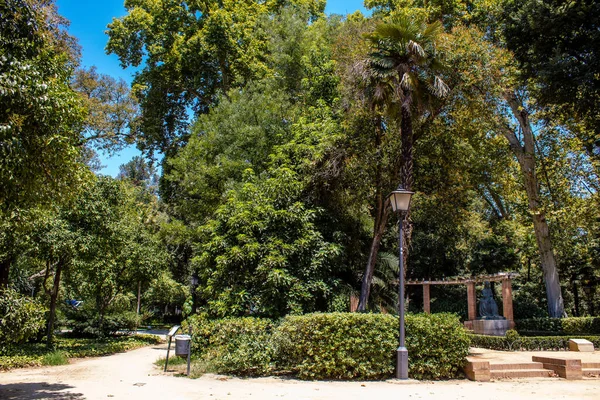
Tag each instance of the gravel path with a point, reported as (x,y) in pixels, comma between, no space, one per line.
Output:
(133,376)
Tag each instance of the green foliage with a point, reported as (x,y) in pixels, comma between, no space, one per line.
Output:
(240,346)
(331,346)
(263,253)
(116,247)
(568,326)
(55,358)
(21,317)
(111,110)
(34,354)
(85,322)
(437,344)
(556,45)
(528,343)
(40,115)
(192,52)
(337,345)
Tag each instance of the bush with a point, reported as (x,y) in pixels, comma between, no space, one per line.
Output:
(437,346)
(240,346)
(338,345)
(581,325)
(86,323)
(55,358)
(21,317)
(331,346)
(568,326)
(534,343)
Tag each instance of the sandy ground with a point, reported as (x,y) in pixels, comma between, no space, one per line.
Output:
(132,375)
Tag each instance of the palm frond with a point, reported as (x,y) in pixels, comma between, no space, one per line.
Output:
(416,48)
(432,30)
(440,89)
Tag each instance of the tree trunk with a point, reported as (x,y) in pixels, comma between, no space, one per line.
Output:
(381,214)
(526,157)
(139,299)
(53,297)
(407,176)
(365,289)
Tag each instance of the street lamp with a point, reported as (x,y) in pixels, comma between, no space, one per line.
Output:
(400,201)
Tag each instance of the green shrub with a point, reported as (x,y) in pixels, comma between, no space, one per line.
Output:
(568,326)
(85,323)
(437,346)
(200,328)
(240,346)
(55,358)
(338,345)
(363,346)
(21,317)
(532,343)
(330,346)
(581,325)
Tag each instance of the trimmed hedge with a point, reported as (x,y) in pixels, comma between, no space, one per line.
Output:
(240,346)
(338,345)
(566,326)
(331,346)
(530,343)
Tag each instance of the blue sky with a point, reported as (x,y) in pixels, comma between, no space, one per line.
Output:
(88,23)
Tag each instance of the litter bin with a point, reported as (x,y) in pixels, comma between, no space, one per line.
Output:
(182,345)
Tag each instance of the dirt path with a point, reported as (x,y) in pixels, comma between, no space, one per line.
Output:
(133,376)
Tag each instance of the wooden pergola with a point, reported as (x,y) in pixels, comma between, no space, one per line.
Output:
(504,277)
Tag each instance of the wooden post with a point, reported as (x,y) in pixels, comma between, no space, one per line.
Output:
(426,299)
(471,301)
(353,303)
(507,304)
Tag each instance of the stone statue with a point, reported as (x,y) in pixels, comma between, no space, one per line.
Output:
(487,306)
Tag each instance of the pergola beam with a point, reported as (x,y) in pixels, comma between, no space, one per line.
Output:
(499,277)
(504,277)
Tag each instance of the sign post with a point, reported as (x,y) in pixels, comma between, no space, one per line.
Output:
(170,335)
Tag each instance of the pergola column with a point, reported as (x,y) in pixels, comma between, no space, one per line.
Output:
(507,304)
(426,299)
(472,301)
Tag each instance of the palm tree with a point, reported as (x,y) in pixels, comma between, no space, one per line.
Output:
(402,71)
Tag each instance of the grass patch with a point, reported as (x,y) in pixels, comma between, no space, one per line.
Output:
(173,360)
(37,354)
(55,358)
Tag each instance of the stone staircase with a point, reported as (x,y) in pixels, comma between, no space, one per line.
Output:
(590,369)
(519,370)
(540,367)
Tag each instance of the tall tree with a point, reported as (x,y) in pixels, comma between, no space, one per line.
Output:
(524,150)
(192,52)
(405,63)
(111,110)
(556,44)
(495,81)
(40,115)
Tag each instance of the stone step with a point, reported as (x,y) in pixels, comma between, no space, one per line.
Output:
(594,365)
(521,373)
(509,366)
(591,372)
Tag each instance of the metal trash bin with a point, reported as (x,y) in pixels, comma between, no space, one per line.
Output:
(182,345)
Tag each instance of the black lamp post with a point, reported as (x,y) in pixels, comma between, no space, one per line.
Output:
(400,201)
